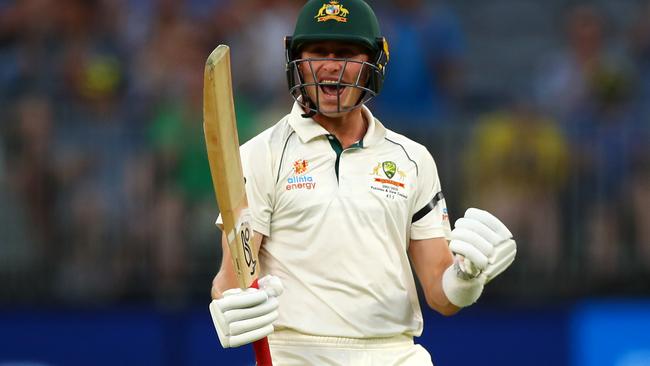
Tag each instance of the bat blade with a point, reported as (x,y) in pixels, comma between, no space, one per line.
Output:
(222,144)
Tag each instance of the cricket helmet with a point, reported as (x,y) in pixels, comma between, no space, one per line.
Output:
(350,21)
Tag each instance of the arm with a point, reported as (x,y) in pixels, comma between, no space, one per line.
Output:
(484,248)
(430,258)
(243,316)
(226,277)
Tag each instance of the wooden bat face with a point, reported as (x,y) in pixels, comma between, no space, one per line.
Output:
(222,145)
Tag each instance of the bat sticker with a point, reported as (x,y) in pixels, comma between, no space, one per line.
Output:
(244,230)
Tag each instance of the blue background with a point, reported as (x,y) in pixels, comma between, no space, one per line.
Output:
(586,334)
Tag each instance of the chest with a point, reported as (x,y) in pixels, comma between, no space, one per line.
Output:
(314,180)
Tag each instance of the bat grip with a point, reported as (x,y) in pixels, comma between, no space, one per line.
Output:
(261,347)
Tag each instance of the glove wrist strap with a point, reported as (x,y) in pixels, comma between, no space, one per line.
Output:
(461,292)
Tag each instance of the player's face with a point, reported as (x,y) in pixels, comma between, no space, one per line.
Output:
(329,71)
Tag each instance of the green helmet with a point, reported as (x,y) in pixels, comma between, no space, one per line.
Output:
(337,20)
(351,21)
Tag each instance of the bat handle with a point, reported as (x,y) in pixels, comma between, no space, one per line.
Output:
(261,347)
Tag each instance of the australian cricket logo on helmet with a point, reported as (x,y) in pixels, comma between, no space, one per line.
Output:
(351,21)
(332,11)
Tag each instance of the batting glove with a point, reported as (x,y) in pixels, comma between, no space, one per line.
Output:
(245,316)
(484,248)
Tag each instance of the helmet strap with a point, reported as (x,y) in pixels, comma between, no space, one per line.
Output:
(309,114)
(310,111)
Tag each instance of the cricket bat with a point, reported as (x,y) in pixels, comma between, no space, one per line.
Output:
(222,143)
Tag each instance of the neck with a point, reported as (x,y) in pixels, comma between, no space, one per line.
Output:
(348,128)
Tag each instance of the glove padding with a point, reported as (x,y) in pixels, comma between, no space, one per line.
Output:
(245,316)
(485,243)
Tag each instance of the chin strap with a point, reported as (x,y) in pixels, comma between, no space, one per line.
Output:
(309,114)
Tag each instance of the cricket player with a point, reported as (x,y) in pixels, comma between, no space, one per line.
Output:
(343,209)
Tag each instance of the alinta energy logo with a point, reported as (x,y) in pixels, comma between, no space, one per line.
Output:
(300,179)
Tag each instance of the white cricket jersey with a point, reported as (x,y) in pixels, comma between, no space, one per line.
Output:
(338,224)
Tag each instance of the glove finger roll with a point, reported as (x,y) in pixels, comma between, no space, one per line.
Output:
(489,220)
(219,324)
(232,291)
(252,336)
(473,237)
(503,250)
(217,317)
(235,315)
(479,228)
(470,252)
(247,325)
(500,266)
(246,299)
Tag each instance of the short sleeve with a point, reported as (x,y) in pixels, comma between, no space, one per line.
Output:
(430,218)
(256,164)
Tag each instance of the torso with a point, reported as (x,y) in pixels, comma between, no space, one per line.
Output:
(339,243)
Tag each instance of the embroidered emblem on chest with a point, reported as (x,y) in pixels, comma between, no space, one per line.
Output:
(384,183)
(300,179)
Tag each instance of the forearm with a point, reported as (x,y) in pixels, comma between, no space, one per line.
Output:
(436,297)
(223,281)
(430,259)
(226,278)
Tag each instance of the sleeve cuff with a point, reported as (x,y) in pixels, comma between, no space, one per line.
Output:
(422,234)
(262,227)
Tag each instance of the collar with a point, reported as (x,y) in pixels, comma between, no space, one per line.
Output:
(308,129)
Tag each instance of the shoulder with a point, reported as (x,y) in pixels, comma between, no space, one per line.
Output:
(262,154)
(269,140)
(415,151)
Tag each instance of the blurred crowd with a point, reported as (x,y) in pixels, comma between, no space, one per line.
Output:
(105,190)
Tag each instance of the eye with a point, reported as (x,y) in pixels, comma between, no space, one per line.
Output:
(320,51)
(347,53)
(316,51)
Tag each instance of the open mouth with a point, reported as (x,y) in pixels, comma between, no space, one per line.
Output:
(331,87)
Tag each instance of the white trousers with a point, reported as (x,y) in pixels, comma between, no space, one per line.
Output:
(289,348)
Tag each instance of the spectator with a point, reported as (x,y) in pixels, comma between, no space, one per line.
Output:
(32,176)
(640,51)
(426,44)
(639,185)
(106,186)
(602,142)
(588,89)
(262,77)
(516,167)
(568,79)
(24,243)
